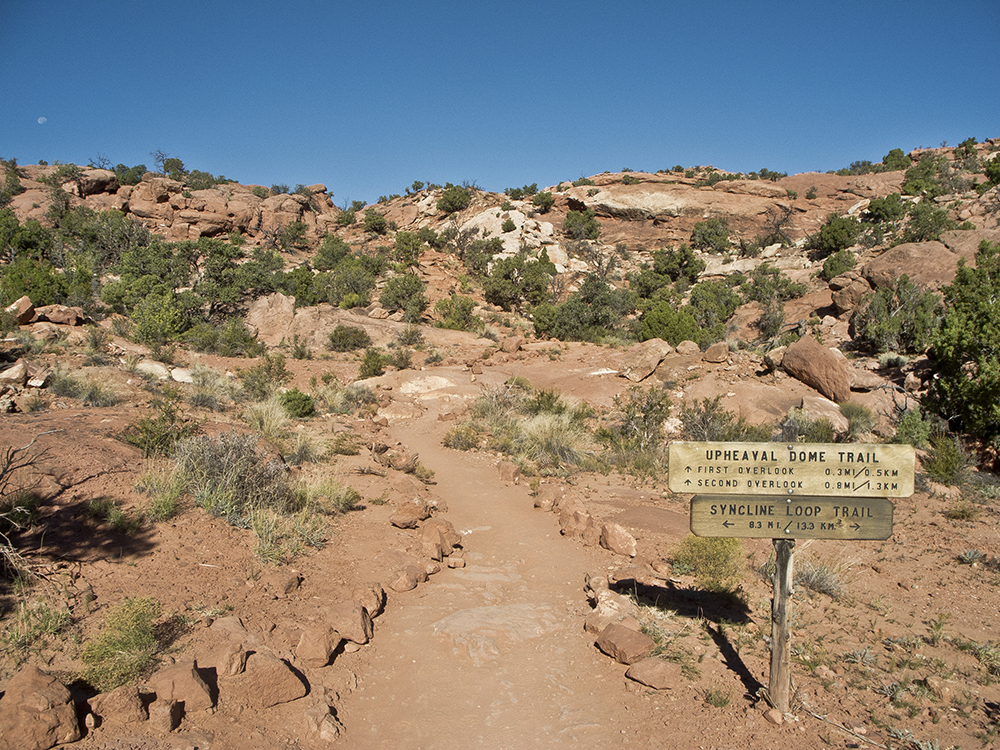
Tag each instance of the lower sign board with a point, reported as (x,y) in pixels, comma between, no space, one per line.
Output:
(837,469)
(791,517)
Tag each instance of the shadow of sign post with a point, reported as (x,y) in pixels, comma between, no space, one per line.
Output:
(787,492)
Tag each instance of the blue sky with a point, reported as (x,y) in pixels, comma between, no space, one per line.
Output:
(368,97)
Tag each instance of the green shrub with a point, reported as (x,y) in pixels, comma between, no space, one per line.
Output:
(375,222)
(518,279)
(405,292)
(888,209)
(668,322)
(298,405)
(372,365)
(348,339)
(927,222)
(838,233)
(264,378)
(840,262)
(634,433)
(125,649)
(924,177)
(508,225)
(332,250)
(714,561)
(992,170)
(965,349)
(454,198)
(711,235)
(543,201)
(158,434)
(233,339)
(946,460)
(456,313)
(896,160)
(582,226)
(766,282)
(900,318)
(811,193)
(158,318)
(708,420)
(88,390)
(913,429)
(463,437)
(712,303)
(407,248)
(772,319)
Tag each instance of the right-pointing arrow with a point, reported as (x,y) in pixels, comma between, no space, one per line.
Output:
(855,526)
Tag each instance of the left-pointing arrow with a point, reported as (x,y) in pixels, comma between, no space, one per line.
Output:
(727,524)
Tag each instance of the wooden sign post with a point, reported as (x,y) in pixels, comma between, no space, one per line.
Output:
(788,492)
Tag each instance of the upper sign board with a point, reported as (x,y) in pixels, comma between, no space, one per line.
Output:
(823,469)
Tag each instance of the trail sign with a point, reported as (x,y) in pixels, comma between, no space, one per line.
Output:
(788,492)
(841,470)
(791,517)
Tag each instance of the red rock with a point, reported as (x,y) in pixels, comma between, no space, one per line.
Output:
(624,645)
(351,620)
(617,539)
(816,366)
(717,353)
(655,673)
(121,705)
(267,681)
(372,598)
(640,360)
(36,712)
(316,646)
(23,310)
(181,682)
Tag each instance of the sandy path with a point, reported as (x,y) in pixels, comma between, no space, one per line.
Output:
(492,655)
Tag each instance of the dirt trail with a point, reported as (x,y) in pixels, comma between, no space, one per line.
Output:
(492,655)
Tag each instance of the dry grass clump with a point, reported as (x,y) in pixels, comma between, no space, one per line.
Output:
(536,428)
(345,399)
(87,390)
(126,647)
(820,577)
(164,486)
(715,562)
(269,418)
(228,478)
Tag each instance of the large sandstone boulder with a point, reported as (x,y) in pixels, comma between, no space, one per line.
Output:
(848,289)
(271,317)
(23,310)
(812,363)
(617,539)
(930,265)
(36,712)
(94,181)
(640,361)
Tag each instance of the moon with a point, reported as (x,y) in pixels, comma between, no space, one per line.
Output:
(42,120)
